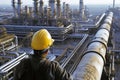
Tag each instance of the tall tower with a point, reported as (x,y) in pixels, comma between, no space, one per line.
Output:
(64,10)
(30,11)
(67,11)
(82,9)
(41,8)
(58,9)
(52,4)
(35,8)
(26,10)
(19,8)
(113,3)
(14,8)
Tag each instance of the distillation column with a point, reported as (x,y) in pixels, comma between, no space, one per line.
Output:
(13,5)
(113,3)
(35,8)
(67,11)
(82,9)
(52,4)
(27,11)
(64,10)
(58,9)
(19,8)
(41,8)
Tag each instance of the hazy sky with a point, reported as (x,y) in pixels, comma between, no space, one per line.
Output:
(25,2)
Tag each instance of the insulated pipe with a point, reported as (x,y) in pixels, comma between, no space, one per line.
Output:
(92,62)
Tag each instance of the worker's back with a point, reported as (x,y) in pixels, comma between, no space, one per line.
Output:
(35,68)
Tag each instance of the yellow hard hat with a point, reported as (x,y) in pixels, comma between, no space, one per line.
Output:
(41,40)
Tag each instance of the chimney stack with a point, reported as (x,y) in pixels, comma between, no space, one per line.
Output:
(82,9)
(52,5)
(113,3)
(64,10)
(14,8)
(58,9)
(35,8)
(41,8)
(19,8)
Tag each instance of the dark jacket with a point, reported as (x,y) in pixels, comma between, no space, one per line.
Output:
(35,68)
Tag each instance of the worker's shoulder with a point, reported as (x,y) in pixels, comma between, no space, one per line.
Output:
(54,63)
(49,63)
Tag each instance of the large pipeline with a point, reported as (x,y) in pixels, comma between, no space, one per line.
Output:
(92,62)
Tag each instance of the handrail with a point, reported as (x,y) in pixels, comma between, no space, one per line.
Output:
(74,51)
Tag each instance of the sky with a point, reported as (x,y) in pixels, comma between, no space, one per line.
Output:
(27,2)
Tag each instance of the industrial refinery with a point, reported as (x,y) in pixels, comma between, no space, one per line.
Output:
(86,45)
(40,15)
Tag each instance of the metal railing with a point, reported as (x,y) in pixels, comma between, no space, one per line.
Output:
(6,70)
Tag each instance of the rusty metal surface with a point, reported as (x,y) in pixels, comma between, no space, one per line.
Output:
(86,71)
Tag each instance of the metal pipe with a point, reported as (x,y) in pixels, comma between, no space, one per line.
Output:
(8,63)
(56,32)
(12,65)
(16,43)
(7,69)
(101,18)
(74,51)
(92,62)
(112,67)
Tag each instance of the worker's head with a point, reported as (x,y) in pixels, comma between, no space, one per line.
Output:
(41,41)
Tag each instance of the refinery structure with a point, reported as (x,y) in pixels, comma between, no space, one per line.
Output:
(54,17)
(86,46)
(53,14)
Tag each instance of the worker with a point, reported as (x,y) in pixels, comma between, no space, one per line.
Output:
(37,67)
